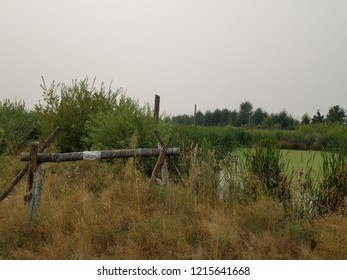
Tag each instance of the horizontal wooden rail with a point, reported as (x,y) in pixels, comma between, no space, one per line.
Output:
(106,154)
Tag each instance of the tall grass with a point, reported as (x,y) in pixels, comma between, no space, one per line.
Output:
(332,193)
(313,187)
(103,210)
(268,165)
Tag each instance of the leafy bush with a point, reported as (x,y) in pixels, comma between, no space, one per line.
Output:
(76,105)
(17,126)
(128,125)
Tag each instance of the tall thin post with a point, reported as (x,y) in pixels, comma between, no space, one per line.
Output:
(156,108)
(195,114)
(161,162)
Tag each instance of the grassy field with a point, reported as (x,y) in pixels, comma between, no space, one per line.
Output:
(97,210)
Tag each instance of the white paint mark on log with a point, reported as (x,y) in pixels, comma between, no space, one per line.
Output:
(91,155)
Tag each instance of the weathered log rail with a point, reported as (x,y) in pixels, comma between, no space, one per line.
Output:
(105,154)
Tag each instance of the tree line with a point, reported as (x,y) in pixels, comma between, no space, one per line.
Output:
(100,118)
(246,116)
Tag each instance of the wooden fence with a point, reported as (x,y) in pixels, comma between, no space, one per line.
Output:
(36,159)
(36,170)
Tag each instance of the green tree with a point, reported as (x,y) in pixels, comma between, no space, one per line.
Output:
(305,119)
(183,119)
(225,117)
(216,117)
(318,118)
(336,114)
(280,120)
(199,118)
(234,118)
(245,113)
(268,122)
(258,116)
(208,119)
(285,120)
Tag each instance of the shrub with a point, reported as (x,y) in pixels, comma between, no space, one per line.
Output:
(72,109)
(128,125)
(17,126)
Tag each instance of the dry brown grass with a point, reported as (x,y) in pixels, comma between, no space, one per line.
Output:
(97,210)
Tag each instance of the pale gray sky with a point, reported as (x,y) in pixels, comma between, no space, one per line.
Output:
(277,54)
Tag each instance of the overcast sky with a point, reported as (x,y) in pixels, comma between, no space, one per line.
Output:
(277,54)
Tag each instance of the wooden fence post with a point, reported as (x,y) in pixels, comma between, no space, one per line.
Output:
(161,162)
(34,146)
(36,191)
(35,179)
(156,108)
(195,114)
(164,166)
